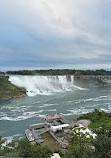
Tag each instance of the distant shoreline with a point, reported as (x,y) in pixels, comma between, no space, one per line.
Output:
(59,72)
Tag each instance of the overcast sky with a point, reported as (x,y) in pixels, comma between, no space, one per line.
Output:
(55,34)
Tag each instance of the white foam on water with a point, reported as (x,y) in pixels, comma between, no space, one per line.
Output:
(10,138)
(102,109)
(44,85)
(15,109)
(78,111)
(101,98)
(96,99)
(26,115)
(47,105)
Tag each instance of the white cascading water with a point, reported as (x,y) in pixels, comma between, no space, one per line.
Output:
(44,84)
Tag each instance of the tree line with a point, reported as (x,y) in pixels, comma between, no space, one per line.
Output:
(60,72)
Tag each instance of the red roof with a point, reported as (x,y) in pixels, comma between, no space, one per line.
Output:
(53,114)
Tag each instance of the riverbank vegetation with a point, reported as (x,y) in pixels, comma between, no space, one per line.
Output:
(97,148)
(24,149)
(59,72)
(80,146)
(100,121)
(8,90)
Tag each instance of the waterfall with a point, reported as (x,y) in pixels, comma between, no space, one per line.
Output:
(44,84)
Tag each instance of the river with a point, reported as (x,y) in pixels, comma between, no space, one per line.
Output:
(46,95)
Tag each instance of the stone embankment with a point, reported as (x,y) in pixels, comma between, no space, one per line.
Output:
(92,80)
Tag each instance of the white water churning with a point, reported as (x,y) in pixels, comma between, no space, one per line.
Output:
(44,84)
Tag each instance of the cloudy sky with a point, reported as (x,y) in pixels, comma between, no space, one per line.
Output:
(55,34)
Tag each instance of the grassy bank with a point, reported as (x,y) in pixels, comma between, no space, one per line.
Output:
(8,90)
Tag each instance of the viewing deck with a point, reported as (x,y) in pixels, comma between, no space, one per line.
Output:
(53,123)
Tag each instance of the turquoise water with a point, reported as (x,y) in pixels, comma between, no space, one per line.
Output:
(17,114)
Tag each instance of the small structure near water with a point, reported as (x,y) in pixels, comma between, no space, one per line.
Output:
(56,122)
(53,123)
(54,131)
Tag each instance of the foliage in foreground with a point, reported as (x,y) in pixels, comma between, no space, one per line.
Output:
(100,121)
(98,148)
(79,146)
(24,149)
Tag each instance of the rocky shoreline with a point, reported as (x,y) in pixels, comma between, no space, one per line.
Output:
(17,96)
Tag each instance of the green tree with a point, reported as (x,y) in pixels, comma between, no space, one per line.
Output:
(27,150)
(102,146)
(78,73)
(79,142)
(80,137)
(1,142)
(24,149)
(98,148)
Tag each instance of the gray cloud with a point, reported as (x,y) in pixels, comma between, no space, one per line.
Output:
(58,32)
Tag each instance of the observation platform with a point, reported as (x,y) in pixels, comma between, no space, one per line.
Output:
(53,123)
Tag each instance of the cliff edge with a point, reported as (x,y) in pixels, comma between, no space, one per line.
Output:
(8,90)
(92,80)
